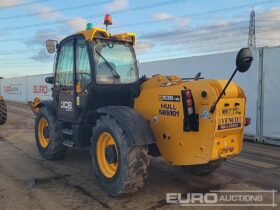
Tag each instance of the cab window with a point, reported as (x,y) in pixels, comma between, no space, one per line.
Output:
(115,62)
(64,72)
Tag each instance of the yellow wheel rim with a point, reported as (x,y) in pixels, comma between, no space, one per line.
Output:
(104,140)
(43,140)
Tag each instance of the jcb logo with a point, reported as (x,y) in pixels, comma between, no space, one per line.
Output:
(66,105)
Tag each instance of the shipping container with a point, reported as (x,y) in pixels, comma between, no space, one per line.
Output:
(14,89)
(37,87)
(25,89)
(269,112)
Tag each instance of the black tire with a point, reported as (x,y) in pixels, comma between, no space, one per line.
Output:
(3,112)
(204,169)
(132,161)
(55,149)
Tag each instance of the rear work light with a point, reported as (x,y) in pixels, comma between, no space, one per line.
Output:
(189,102)
(188,94)
(247,121)
(191,120)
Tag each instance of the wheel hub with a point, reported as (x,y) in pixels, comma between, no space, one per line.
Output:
(111,154)
(43,132)
(46,132)
(107,154)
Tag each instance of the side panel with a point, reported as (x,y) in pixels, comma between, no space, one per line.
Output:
(66,107)
(271,102)
(217,66)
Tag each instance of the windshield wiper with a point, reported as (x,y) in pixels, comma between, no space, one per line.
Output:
(109,65)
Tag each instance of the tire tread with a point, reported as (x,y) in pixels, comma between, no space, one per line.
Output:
(137,159)
(56,149)
(3,112)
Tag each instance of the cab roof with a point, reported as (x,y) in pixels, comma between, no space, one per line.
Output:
(92,33)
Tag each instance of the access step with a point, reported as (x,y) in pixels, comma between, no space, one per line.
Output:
(68,143)
(67,131)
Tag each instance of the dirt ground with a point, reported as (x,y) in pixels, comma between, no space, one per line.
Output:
(29,182)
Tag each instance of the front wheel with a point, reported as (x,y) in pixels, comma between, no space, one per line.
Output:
(48,135)
(120,167)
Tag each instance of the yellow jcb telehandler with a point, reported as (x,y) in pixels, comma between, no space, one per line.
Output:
(100,101)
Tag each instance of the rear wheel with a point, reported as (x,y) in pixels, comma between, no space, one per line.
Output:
(204,169)
(48,135)
(3,112)
(120,167)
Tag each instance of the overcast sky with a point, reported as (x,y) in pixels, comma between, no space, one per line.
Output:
(165,28)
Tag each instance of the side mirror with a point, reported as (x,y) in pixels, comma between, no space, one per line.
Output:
(49,80)
(244,59)
(197,76)
(51,45)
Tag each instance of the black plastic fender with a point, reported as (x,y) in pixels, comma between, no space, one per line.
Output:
(136,127)
(49,105)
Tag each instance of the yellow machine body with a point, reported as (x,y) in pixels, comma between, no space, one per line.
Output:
(220,134)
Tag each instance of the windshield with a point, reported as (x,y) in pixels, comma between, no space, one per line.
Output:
(115,62)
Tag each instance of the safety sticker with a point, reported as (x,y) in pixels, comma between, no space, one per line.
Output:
(205,114)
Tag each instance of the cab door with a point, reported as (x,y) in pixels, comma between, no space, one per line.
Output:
(82,75)
(64,93)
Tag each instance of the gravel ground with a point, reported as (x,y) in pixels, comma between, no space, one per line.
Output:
(29,182)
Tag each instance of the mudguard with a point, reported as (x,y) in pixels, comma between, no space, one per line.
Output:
(136,127)
(49,104)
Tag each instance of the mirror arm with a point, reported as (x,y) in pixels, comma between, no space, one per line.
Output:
(223,92)
(243,62)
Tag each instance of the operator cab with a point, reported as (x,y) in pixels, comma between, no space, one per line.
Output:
(93,69)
